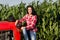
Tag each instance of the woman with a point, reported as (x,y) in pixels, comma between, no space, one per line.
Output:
(31,19)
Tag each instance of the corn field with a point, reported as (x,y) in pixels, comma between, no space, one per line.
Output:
(48,22)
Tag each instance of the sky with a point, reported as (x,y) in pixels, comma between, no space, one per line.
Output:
(16,2)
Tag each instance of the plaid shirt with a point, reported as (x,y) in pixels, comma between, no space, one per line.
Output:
(31,22)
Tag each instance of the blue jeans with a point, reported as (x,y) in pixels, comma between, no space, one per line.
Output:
(32,34)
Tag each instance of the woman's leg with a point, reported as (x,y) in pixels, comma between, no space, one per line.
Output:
(33,35)
(25,33)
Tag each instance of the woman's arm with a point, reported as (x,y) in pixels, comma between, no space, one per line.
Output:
(23,19)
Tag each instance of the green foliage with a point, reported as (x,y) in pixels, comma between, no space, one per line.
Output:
(48,17)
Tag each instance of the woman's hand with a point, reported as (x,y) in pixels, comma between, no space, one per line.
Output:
(22,28)
(16,22)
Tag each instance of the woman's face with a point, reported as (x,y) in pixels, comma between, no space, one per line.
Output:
(29,10)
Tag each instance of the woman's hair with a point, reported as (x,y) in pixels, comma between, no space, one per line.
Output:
(33,11)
